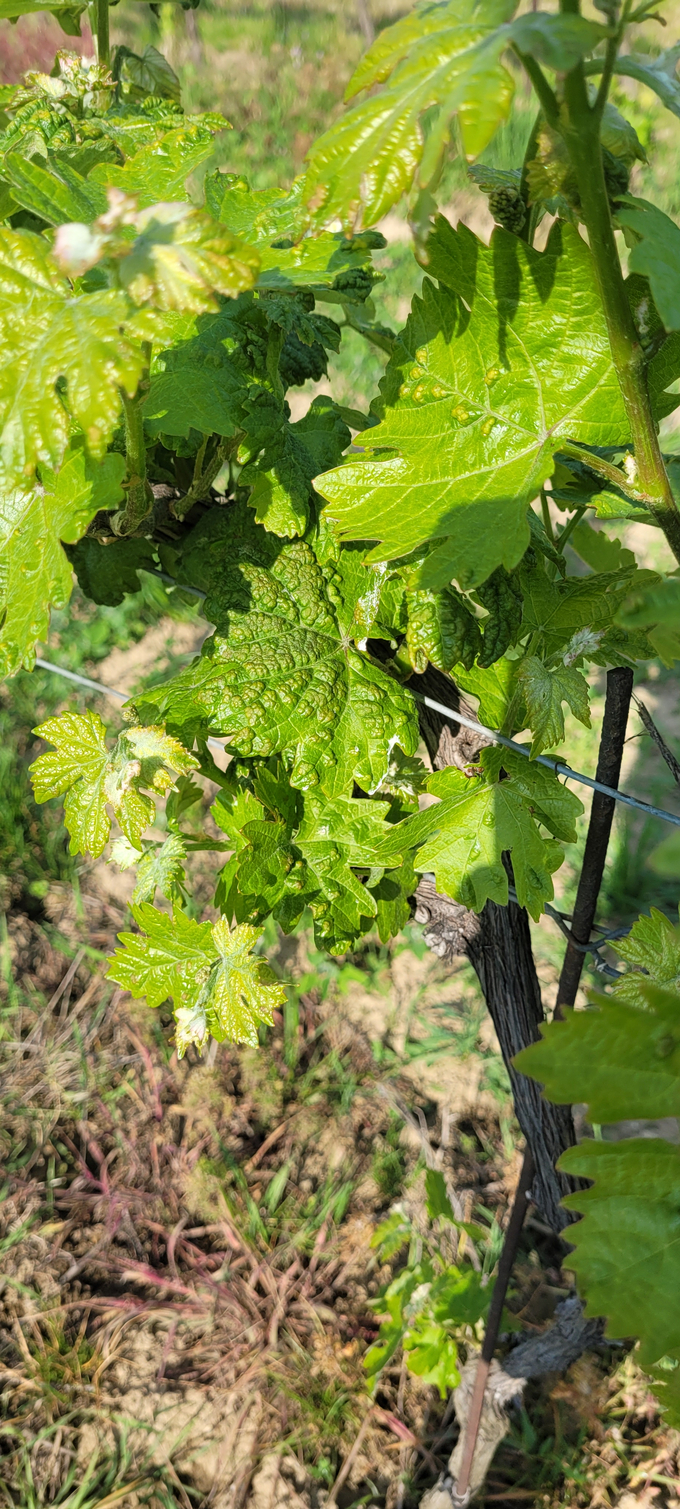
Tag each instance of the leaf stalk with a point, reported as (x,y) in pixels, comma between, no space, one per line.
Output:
(580,128)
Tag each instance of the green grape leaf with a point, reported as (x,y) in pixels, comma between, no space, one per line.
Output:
(162,868)
(458,454)
(67,16)
(436,1196)
(283,458)
(659,74)
(158,172)
(654,253)
(599,551)
(196,383)
(441,629)
(627,1248)
(550,802)
(623,1062)
(108,573)
(466,834)
(56,193)
(94,778)
(51,337)
(34,571)
(653,945)
(559,610)
(149,74)
(494,685)
(654,607)
(441,59)
(544,691)
(279,675)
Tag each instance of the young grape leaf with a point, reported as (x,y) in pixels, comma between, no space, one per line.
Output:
(653,944)
(466,834)
(168,957)
(34,571)
(544,691)
(51,338)
(494,685)
(162,868)
(441,59)
(93,778)
(181,258)
(459,454)
(241,992)
(279,674)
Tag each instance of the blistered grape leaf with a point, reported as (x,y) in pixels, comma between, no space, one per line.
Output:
(442,59)
(34,571)
(181,258)
(279,674)
(481,385)
(158,172)
(465,835)
(273,222)
(654,253)
(544,691)
(621,1060)
(95,778)
(441,629)
(48,337)
(501,596)
(108,572)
